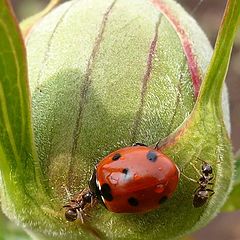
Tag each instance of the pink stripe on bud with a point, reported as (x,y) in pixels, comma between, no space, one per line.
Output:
(185,40)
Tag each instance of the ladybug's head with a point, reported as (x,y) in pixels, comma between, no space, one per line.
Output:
(94,188)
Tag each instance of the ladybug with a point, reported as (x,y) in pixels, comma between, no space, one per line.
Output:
(203,193)
(134,179)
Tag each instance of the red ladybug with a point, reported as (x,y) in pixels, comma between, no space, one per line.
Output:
(134,179)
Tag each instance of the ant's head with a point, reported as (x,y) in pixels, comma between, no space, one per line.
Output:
(71,214)
(206,169)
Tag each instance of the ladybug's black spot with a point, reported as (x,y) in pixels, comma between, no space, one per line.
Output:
(116,156)
(106,192)
(133,202)
(151,156)
(125,171)
(163,199)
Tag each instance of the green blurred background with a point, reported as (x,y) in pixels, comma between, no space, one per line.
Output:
(208,13)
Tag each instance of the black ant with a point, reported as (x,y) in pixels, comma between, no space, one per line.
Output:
(202,192)
(77,207)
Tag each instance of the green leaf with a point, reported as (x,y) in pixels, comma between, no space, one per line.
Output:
(10,231)
(16,136)
(23,195)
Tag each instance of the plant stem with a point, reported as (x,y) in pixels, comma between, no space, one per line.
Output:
(217,70)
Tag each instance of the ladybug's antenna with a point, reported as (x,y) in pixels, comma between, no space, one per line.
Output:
(160,143)
(156,145)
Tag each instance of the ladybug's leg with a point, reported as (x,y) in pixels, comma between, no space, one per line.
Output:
(139,144)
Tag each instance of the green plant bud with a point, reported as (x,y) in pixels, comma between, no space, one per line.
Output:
(105,74)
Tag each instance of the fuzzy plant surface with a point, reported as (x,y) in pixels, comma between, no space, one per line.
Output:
(103,74)
(9,231)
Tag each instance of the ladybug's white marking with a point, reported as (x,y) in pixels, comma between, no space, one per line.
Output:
(103,199)
(98,185)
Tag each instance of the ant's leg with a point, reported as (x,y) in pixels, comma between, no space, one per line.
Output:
(80,215)
(190,179)
(69,196)
(210,179)
(196,169)
(65,206)
(211,191)
(212,194)
(197,189)
(92,199)
(85,214)
(198,158)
